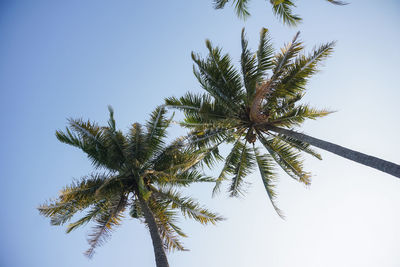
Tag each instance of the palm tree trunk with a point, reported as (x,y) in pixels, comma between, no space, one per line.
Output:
(373,162)
(159,252)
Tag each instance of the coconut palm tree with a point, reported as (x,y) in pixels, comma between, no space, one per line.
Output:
(260,106)
(281,8)
(139,172)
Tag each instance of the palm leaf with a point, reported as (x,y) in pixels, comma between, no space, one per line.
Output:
(265,53)
(282,9)
(245,163)
(231,162)
(301,146)
(296,116)
(106,220)
(249,69)
(335,2)
(286,158)
(189,207)
(265,166)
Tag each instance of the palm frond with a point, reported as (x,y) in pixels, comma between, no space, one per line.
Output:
(156,130)
(186,178)
(249,69)
(296,77)
(283,10)
(199,108)
(73,198)
(59,212)
(284,58)
(136,148)
(94,212)
(218,4)
(245,163)
(189,207)
(106,220)
(165,218)
(301,146)
(217,72)
(265,53)
(288,159)
(231,162)
(296,116)
(95,142)
(265,166)
(335,2)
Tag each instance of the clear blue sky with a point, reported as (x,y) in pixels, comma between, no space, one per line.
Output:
(61,59)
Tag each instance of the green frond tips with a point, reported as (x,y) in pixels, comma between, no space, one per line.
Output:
(282,9)
(218,4)
(241,7)
(335,2)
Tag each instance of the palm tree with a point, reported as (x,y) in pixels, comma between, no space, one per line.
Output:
(140,173)
(281,8)
(259,106)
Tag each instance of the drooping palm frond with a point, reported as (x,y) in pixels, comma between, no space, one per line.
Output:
(165,218)
(109,217)
(288,159)
(241,7)
(266,167)
(244,165)
(94,212)
(283,10)
(231,162)
(335,2)
(72,199)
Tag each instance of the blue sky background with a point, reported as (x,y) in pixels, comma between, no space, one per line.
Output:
(61,59)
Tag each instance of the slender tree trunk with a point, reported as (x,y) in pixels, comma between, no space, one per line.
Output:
(159,252)
(373,162)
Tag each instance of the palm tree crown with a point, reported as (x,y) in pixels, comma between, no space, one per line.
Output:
(240,109)
(281,8)
(139,172)
(259,106)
